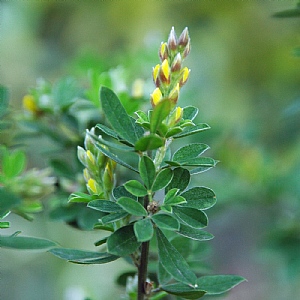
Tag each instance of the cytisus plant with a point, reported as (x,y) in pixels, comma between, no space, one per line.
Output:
(146,212)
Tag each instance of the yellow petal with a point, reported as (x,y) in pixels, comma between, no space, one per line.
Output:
(156,96)
(29,103)
(92,184)
(91,156)
(165,68)
(155,72)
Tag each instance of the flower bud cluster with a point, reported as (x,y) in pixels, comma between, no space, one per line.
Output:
(170,76)
(99,169)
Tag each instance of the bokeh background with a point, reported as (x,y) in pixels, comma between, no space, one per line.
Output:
(245,80)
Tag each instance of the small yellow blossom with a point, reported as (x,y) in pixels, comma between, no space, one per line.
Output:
(174,94)
(92,184)
(156,96)
(185,72)
(155,72)
(91,157)
(165,69)
(29,103)
(178,114)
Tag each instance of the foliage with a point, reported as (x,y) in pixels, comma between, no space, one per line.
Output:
(150,207)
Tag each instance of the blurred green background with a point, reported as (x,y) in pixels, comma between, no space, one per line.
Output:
(245,80)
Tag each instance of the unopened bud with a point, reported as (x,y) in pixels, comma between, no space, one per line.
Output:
(186,50)
(93,187)
(155,74)
(156,97)
(108,177)
(164,72)
(176,64)
(29,104)
(174,94)
(91,157)
(88,141)
(86,175)
(172,40)
(81,154)
(163,51)
(184,75)
(184,38)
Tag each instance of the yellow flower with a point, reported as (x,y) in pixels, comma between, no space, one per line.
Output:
(174,94)
(163,51)
(184,75)
(165,71)
(156,96)
(91,157)
(178,114)
(29,103)
(92,184)
(155,72)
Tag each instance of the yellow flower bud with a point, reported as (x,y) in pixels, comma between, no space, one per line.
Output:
(174,94)
(165,72)
(178,114)
(184,75)
(91,157)
(163,51)
(155,72)
(29,103)
(86,175)
(93,185)
(156,96)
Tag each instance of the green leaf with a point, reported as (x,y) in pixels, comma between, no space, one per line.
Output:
(135,188)
(13,163)
(218,284)
(115,158)
(112,145)
(180,180)
(4,225)
(189,112)
(171,194)
(149,142)
(173,261)
(133,207)
(8,201)
(162,179)
(143,230)
(21,242)
(164,221)
(192,130)
(199,198)
(160,112)
(104,129)
(176,201)
(173,131)
(163,276)
(123,241)
(184,291)
(117,116)
(192,217)
(80,197)
(147,171)
(105,206)
(82,256)
(113,217)
(195,162)
(120,191)
(194,234)
(189,151)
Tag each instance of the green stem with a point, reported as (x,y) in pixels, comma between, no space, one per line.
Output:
(143,266)
(160,153)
